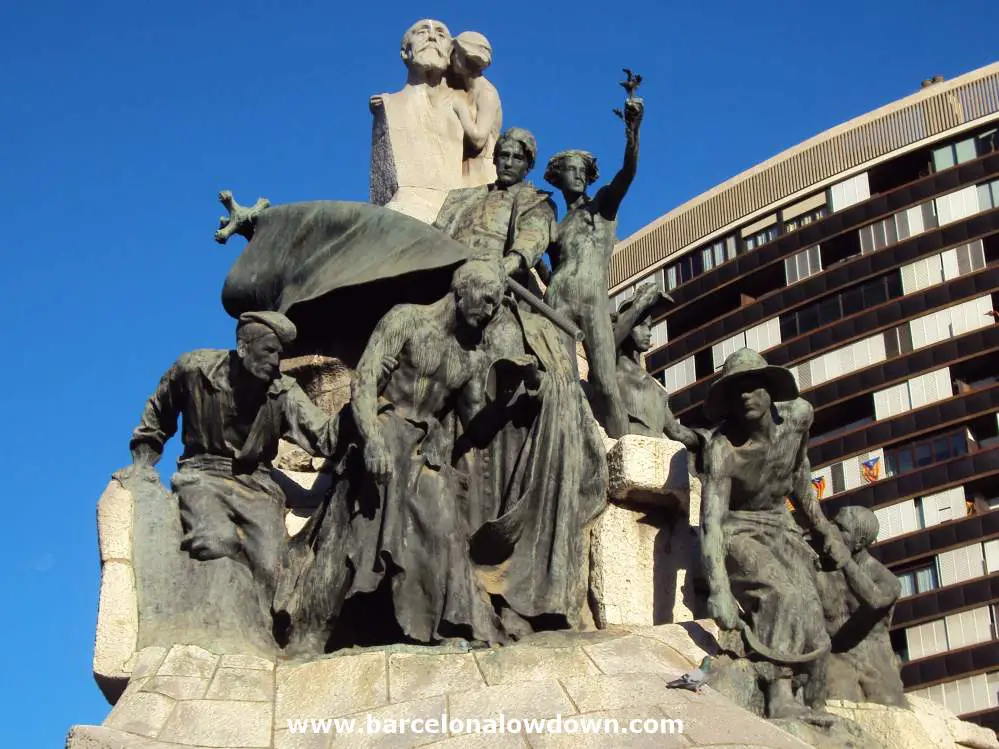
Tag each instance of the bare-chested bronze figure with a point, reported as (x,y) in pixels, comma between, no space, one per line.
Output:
(580,259)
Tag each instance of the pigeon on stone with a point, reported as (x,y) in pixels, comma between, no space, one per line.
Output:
(695,679)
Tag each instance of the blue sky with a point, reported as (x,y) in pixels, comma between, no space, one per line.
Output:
(119,122)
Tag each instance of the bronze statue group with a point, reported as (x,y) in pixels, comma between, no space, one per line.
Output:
(468,467)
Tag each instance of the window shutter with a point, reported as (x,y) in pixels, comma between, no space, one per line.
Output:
(947,567)
(951,268)
(955,630)
(991,553)
(907,516)
(914,641)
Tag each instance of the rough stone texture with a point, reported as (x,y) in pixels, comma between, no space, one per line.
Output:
(483,741)
(304,491)
(637,655)
(177,687)
(925,724)
(254,685)
(142,713)
(623,737)
(612,674)
(188,660)
(416,676)
(146,662)
(690,639)
(325,379)
(527,663)
(537,699)
(220,723)
(117,632)
(114,523)
(644,556)
(333,686)
(117,627)
(592,693)
(648,470)
(246,661)
(431,708)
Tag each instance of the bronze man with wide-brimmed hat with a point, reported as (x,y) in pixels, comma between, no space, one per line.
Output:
(756,558)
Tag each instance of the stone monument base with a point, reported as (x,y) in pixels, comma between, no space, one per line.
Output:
(586,683)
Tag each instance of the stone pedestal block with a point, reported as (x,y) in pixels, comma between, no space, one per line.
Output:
(644,548)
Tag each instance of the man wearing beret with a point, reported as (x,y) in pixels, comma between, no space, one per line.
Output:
(236,406)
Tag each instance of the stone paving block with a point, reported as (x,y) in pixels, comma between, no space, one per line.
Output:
(178,687)
(592,693)
(246,661)
(637,655)
(539,699)
(332,687)
(526,663)
(413,676)
(613,729)
(219,723)
(248,684)
(285,739)
(715,721)
(379,733)
(143,713)
(188,660)
(146,661)
(484,741)
(692,640)
(102,737)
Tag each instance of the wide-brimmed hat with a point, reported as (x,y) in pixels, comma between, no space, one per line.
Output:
(647,301)
(742,365)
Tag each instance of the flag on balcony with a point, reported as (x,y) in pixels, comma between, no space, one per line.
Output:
(871,470)
(819,482)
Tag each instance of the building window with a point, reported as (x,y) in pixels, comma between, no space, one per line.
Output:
(717,253)
(898,341)
(803,264)
(919,580)
(916,455)
(760,238)
(838,306)
(954,154)
(805,219)
(849,192)
(988,195)
(901,226)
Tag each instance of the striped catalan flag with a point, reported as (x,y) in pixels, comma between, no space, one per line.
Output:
(871,470)
(819,482)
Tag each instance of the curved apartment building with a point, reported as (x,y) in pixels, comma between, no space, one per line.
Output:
(866,260)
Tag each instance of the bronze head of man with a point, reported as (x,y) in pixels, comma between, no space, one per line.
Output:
(514,155)
(260,340)
(747,388)
(478,286)
(426,46)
